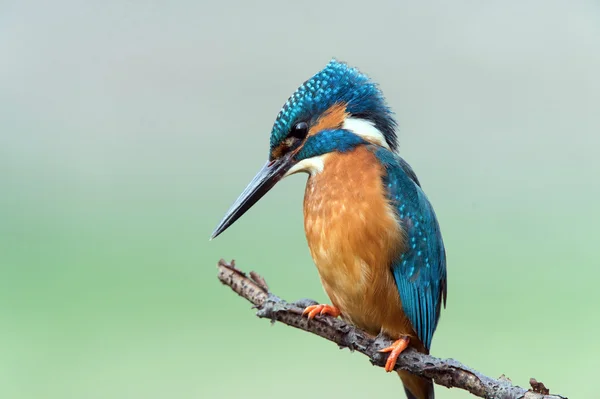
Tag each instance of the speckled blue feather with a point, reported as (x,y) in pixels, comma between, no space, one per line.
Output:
(420,271)
(336,83)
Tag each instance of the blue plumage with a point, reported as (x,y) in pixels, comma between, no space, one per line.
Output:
(336,83)
(337,111)
(327,141)
(420,271)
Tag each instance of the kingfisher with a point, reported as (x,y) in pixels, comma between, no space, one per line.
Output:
(371,230)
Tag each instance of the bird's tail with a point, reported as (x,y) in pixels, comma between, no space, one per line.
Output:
(416,387)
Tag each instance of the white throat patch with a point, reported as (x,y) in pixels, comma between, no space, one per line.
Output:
(361,127)
(365,129)
(311,166)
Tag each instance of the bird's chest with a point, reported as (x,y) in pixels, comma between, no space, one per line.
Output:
(353,236)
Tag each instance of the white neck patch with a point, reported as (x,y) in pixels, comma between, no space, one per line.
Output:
(361,127)
(365,129)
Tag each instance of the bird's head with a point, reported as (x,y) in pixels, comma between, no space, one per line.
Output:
(336,110)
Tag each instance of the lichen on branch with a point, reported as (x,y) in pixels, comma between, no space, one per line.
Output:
(446,372)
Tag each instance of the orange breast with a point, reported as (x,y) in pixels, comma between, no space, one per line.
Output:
(353,236)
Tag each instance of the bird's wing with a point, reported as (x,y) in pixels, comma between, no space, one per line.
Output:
(419,271)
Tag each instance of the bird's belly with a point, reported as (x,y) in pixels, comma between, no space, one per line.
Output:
(372,305)
(353,237)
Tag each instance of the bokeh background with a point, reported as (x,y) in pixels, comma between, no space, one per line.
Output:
(128,128)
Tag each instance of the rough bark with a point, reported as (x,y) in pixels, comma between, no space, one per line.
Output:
(447,372)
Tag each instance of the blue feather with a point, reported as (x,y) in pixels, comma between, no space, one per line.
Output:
(419,271)
(334,84)
(327,141)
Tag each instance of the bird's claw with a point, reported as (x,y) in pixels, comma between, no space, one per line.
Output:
(321,310)
(394,350)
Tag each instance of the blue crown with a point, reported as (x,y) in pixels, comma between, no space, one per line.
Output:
(336,83)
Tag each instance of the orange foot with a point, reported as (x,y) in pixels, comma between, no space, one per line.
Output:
(395,350)
(322,310)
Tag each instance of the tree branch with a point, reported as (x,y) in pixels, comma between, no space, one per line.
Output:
(446,372)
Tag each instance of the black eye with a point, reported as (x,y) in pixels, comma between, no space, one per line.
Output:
(300,130)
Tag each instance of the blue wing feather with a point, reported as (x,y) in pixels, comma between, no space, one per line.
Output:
(420,271)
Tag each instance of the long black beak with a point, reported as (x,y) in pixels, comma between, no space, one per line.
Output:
(264,180)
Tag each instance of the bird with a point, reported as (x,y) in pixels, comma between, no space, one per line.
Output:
(371,230)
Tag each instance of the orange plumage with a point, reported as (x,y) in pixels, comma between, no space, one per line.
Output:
(371,230)
(352,234)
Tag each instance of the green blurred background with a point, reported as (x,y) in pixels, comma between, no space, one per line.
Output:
(128,128)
